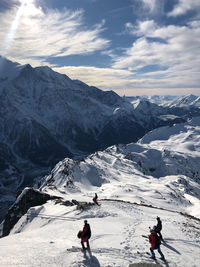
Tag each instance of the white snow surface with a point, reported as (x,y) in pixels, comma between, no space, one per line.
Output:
(161,171)
(117,240)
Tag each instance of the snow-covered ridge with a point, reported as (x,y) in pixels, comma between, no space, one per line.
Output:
(161,169)
(186,101)
(8,71)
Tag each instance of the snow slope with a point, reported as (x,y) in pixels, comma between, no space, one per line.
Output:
(162,169)
(158,176)
(117,230)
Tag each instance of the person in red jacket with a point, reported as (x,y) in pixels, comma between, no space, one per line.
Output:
(85,235)
(154,240)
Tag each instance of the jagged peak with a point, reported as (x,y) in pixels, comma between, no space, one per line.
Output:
(185,100)
(8,69)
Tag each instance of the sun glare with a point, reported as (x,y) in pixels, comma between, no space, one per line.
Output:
(26,9)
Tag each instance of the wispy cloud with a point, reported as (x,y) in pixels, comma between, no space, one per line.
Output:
(104,78)
(171,51)
(173,48)
(141,28)
(184,6)
(149,7)
(50,33)
(130,83)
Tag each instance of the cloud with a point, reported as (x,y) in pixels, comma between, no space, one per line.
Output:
(150,4)
(142,28)
(7,4)
(51,33)
(149,7)
(172,48)
(104,78)
(130,83)
(184,6)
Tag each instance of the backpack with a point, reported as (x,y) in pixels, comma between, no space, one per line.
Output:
(79,234)
(89,232)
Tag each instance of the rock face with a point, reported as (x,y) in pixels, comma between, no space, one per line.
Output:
(28,198)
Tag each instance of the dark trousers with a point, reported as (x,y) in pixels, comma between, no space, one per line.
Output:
(160,235)
(88,245)
(159,251)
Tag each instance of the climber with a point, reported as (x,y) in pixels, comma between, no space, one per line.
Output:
(85,235)
(159,228)
(95,199)
(155,242)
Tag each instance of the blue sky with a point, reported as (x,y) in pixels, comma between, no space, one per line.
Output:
(133,47)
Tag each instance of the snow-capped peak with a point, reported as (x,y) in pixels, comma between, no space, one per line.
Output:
(186,101)
(8,71)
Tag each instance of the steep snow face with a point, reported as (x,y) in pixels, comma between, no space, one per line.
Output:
(8,71)
(186,101)
(162,169)
(44,117)
(68,110)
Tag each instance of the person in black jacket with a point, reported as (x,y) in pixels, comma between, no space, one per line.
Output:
(158,228)
(95,199)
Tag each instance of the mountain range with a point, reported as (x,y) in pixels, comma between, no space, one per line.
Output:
(45,116)
(156,176)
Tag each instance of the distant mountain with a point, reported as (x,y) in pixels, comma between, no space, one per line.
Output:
(45,116)
(187,101)
(156,99)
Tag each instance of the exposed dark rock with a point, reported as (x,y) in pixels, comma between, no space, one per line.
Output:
(28,198)
(65,203)
(82,205)
(143,264)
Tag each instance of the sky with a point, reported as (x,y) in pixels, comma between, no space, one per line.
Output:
(133,47)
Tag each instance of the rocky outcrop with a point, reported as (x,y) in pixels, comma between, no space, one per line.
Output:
(29,197)
(144,265)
